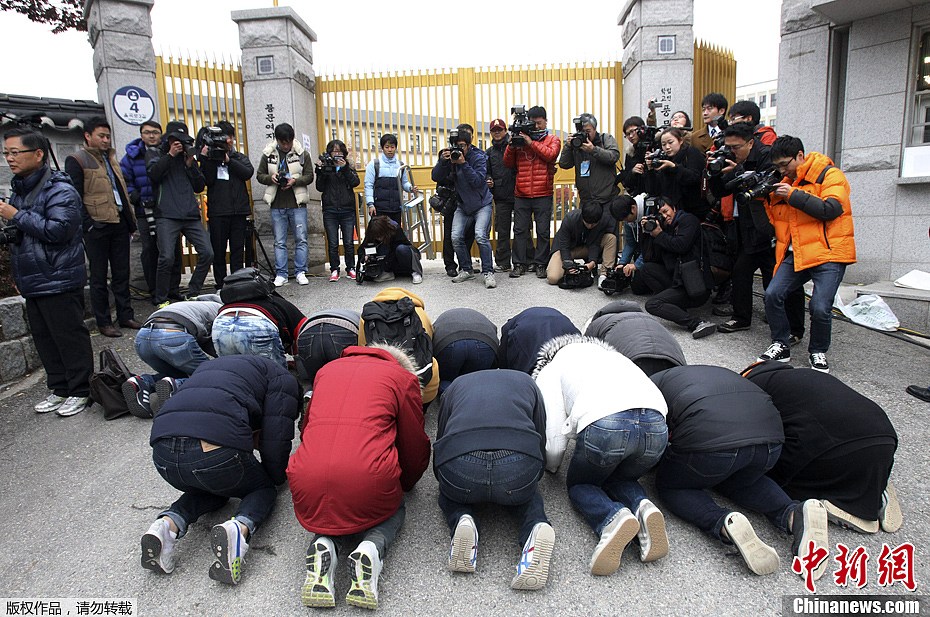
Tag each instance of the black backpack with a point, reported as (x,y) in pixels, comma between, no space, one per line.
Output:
(106,385)
(246,284)
(396,322)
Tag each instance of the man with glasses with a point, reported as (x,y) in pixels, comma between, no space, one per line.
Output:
(713,109)
(812,215)
(47,255)
(142,197)
(749,112)
(753,234)
(501,180)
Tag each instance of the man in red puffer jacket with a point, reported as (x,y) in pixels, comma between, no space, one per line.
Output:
(534,162)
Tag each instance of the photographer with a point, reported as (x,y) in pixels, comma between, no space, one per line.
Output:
(633,176)
(678,172)
(594,156)
(108,224)
(676,240)
(176,179)
(335,179)
(713,111)
(588,233)
(142,197)
(43,231)
(749,112)
(502,182)
(753,231)
(447,203)
(533,158)
(288,197)
(228,204)
(467,168)
(390,244)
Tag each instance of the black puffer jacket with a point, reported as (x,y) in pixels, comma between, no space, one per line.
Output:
(175,185)
(755,228)
(228,197)
(228,399)
(505,178)
(336,187)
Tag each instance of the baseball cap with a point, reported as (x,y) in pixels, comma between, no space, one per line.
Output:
(498,124)
(177,130)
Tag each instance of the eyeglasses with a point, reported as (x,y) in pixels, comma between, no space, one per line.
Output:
(739,146)
(12,154)
(738,119)
(631,132)
(151,132)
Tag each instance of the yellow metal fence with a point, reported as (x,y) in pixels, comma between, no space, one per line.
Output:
(714,71)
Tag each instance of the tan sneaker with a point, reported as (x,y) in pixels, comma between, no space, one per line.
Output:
(890,516)
(618,532)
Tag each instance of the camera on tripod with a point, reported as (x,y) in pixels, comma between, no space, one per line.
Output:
(753,185)
(214,139)
(521,124)
(717,161)
(455,151)
(580,137)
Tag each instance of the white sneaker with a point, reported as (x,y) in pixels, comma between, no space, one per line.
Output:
(302,279)
(890,516)
(280,280)
(417,278)
(463,554)
(759,556)
(533,568)
(158,547)
(321,563)
(229,547)
(73,405)
(51,403)
(653,539)
(489,281)
(600,281)
(616,534)
(364,570)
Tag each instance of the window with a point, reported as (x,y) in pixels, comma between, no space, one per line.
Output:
(761,101)
(666,44)
(772,100)
(433,144)
(772,123)
(264,65)
(751,99)
(920,122)
(333,134)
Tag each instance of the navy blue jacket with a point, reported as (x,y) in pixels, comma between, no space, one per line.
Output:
(228,398)
(490,410)
(524,334)
(50,257)
(137,180)
(470,180)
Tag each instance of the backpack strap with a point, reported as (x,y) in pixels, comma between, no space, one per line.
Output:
(377,166)
(823,174)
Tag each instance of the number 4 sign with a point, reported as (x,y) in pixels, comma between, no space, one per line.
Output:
(133,105)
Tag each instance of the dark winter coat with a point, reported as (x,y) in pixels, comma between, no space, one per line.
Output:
(227,400)
(469,179)
(711,408)
(573,233)
(336,187)
(635,334)
(600,183)
(49,259)
(524,335)
(505,178)
(228,197)
(682,183)
(755,229)
(175,185)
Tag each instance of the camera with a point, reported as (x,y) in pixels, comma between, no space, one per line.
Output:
(214,139)
(148,207)
(455,152)
(718,160)
(327,163)
(282,180)
(615,281)
(10,234)
(443,198)
(647,141)
(655,157)
(576,276)
(521,124)
(753,185)
(371,265)
(189,148)
(654,104)
(580,137)
(650,218)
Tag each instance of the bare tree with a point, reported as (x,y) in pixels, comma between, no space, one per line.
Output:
(62,15)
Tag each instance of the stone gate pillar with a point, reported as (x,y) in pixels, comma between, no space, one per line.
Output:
(120,31)
(278,85)
(658,57)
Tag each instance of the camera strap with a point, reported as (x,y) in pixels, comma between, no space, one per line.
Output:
(31,197)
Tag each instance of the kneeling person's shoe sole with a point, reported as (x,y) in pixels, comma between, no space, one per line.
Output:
(810,525)
(759,556)
(618,532)
(653,538)
(890,516)
(229,547)
(318,586)
(533,569)
(844,519)
(364,570)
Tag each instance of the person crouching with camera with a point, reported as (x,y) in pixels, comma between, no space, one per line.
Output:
(335,179)
(43,230)
(588,233)
(387,249)
(677,271)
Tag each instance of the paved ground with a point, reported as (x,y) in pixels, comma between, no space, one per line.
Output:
(78,493)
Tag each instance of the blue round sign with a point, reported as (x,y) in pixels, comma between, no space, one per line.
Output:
(133,105)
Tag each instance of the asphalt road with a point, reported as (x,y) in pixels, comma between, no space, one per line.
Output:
(78,493)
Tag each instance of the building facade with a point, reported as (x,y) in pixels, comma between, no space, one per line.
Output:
(765,95)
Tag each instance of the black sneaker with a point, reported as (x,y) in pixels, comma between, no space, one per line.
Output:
(724,310)
(702,329)
(531,268)
(518,271)
(794,339)
(541,272)
(819,362)
(777,352)
(452,271)
(502,268)
(919,392)
(733,325)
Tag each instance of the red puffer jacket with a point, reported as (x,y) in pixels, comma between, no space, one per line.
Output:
(363,444)
(535,164)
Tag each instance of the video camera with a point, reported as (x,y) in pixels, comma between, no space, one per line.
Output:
(650,218)
(655,157)
(10,235)
(327,163)
(189,148)
(722,124)
(580,137)
(615,281)
(455,152)
(522,124)
(370,264)
(214,139)
(647,141)
(717,161)
(753,185)
(576,276)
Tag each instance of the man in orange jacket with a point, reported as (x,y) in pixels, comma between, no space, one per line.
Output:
(812,215)
(534,158)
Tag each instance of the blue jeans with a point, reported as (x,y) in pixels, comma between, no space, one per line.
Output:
(502,477)
(321,343)
(248,335)
(333,221)
(611,454)
(168,233)
(462,357)
(283,219)
(170,353)
(827,278)
(738,474)
(481,220)
(209,479)
(630,244)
